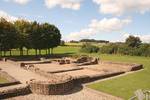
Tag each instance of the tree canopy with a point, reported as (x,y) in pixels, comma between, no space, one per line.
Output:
(8,35)
(133,41)
(26,34)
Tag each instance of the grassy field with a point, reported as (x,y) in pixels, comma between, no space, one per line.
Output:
(126,85)
(3,80)
(81,43)
(73,44)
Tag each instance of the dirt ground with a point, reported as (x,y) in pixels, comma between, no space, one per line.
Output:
(89,70)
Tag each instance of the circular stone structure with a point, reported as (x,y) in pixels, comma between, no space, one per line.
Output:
(55,86)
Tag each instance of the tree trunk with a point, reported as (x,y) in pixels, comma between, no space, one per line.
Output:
(40,52)
(27,52)
(49,51)
(21,51)
(10,53)
(46,51)
(36,52)
(0,53)
(4,53)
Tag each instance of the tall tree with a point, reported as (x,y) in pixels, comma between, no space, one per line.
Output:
(34,36)
(133,41)
(24,28)
(8,36)
(50,36)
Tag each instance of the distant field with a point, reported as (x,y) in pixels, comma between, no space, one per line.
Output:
(73,44)
(81,43)
(126,85)
(3,80)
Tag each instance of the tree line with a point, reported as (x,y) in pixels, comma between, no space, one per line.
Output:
(133,46)
(30,35)
(93,40)
(89,40)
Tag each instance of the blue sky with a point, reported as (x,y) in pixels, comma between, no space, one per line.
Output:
(112,20)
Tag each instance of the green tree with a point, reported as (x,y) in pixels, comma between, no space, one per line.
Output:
(133,41)
(24,28)
(8,36)
(34,36)
(50,36)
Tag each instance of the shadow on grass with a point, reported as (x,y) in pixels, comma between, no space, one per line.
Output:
(34,57)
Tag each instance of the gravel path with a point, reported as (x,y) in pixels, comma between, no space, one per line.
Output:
(84,94)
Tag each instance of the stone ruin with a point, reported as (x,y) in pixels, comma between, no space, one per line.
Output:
(11,80)
(64,61)
(55,84)
(59,85)
(85,60)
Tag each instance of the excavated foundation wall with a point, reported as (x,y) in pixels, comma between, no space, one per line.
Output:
(133,67)
(57,84)
(11,80)
(51,89)
(7,93)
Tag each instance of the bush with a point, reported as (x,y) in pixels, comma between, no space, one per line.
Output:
(88,48)
(109,49)
(145,50)
(142,50)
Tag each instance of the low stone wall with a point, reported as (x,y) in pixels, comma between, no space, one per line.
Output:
(85,79)
(59,71)
(55,84)
(37,70)
(7,93)
(31,63)
(46,88)
(133,67)
(137,67)
(11,80)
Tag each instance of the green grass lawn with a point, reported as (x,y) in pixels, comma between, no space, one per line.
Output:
(81,43)
(126,85)
(3,80)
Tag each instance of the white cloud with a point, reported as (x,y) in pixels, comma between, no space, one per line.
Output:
(70,4)
(119,7)
(7,16)
(99,26)
(144,38)
(22,2)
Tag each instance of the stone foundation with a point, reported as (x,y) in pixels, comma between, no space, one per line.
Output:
(86,79)
(46,88)
(55,84)
(59,84)
(7,93)
(11,80)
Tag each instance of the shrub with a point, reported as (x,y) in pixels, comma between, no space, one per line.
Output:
(142,50)
(145,50)
(109,49)
(88,48)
